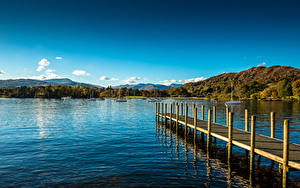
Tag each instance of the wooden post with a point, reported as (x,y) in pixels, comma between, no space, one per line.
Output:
(246,120)
(202,112)
(156,109)
(162,112)
(195,123)
(285,154)
(186,118)
(252,147)
(209,130)
(215,114)
(272,124)
(181,107)
(177,117)
(230,126)
(166,109)
(227,110)
(171,114)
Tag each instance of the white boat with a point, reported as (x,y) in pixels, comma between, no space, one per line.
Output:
(232,102)
(154,100)
(65,98)
(120,99)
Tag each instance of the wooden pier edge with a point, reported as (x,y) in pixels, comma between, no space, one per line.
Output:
(284,160)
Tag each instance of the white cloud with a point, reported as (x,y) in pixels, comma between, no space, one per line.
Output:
(58,58)
(131,80)
(46,76)
(50,70)
(2,72)
(40,68)
(167,82)
(104,78)
(262,64)
(44,62)
(108,79)
(80,73)
(194,80)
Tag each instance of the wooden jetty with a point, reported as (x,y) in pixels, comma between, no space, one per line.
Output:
(285,153)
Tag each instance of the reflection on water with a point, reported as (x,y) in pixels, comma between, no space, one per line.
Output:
(104,143)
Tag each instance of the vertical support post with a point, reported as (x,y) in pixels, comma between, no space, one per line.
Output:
(285,154)
(202,134)
(227,111)
(195,123)
(215,114)
(181,107)
(162,112)
(230,126)
(186,118)
(177,117)
(246,120)
(209,130)
(166,109)
(252,147)
(202,108)
(171,114)
(247,130)
(272,124)
(156,109)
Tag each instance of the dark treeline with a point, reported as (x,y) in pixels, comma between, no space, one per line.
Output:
(254,90)
(76,92)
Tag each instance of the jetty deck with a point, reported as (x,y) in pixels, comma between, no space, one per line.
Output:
(282,151)
(265,146)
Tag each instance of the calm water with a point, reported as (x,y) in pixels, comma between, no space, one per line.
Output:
(105,143)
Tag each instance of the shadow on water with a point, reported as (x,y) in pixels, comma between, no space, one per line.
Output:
(215,156)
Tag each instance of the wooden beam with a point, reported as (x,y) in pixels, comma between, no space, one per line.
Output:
(186,118)
(246,120)
(166,108)
(227,110)
(195,123)
(252,147)
(215,114)
(202,109)
(285,154)
(209,130)
(230,126)
(272,124)
(177,117)
(171,114)
(181,107)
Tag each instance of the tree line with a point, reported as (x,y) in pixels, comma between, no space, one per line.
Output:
(254,90)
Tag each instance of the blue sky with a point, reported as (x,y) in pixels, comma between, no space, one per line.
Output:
(111,42)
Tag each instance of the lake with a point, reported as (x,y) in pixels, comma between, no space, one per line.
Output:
(47,142)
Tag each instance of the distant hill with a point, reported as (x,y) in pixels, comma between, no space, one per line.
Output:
(257,82)
(50,82)
(147,86)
